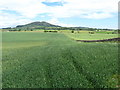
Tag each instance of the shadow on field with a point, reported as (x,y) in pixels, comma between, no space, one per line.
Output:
(104,40)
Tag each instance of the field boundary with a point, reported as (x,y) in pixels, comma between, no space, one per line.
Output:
(104,40)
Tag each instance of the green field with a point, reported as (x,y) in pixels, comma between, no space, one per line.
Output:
(54,60)
(87,36)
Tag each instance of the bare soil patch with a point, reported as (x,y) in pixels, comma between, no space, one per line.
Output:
(104,40)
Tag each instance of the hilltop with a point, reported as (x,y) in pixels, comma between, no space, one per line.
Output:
(38,24)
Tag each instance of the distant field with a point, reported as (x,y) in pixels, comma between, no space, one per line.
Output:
(46,60)
(87,36)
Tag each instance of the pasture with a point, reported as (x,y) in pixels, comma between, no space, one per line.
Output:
(54,60)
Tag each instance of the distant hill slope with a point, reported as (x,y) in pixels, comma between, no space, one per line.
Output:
(47,26)
(38,24)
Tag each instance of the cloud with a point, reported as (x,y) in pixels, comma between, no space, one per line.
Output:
(26,8)
(57,22)
(30,9)
(11,20)
(73,8)
(54,0)
(98,15)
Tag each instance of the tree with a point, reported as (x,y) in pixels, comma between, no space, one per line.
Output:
(72,31)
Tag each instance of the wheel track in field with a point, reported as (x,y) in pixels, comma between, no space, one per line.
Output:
(79,69)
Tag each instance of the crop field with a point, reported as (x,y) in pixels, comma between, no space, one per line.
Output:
(87,36)
(54,60)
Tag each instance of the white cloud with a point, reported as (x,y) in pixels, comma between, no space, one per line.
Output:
(27,8)
(31,8)
(53,0)
(94,9)
(98,16)
(79,8)
(7,20)
(53,21)
(57,22)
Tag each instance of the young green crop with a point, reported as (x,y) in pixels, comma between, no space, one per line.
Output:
(52,60)
(87,36)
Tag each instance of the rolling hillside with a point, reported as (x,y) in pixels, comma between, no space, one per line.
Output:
(38,24)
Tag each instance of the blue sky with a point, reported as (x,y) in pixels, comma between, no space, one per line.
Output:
(85,13)
(53,3)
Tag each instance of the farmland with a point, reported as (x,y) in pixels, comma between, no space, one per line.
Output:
(55,60)
(87,36)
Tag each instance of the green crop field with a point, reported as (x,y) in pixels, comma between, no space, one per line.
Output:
(87,36)
(54,60)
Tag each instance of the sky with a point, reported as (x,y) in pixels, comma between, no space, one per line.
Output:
(69,13)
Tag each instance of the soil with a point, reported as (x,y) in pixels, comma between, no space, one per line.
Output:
(104,40)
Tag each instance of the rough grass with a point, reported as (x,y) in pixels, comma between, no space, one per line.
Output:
(59,63)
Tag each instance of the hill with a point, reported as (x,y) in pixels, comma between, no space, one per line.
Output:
(46,26)
(38,24)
